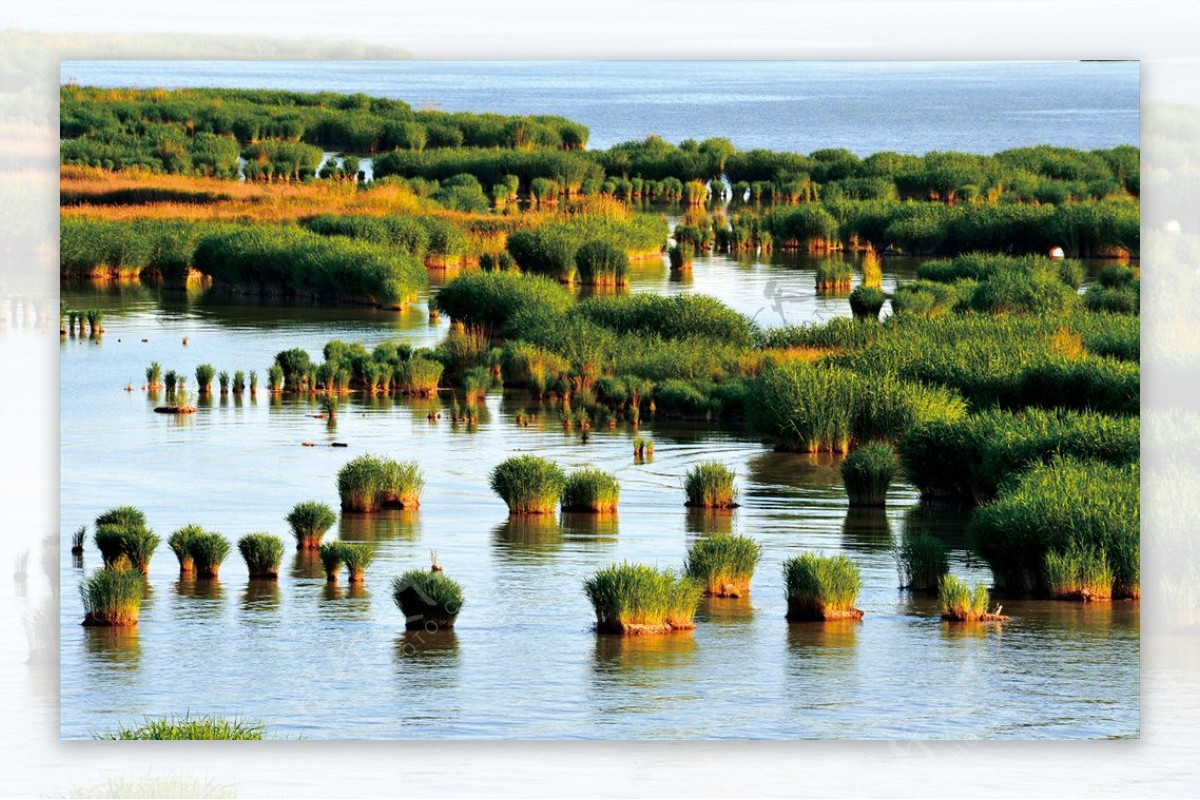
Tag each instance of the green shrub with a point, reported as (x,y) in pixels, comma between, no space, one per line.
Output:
(310,521)
(528,484)
(821,587)
(867,474)
(591,490)
(637,599)
(710,484)
(723,564)
(429,600)
(262,553)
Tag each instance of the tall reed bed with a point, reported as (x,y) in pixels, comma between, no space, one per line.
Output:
(633,599)
(723,564)
(369,483)
(821,588)
(528,484)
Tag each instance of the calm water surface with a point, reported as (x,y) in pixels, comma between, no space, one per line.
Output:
(523,660)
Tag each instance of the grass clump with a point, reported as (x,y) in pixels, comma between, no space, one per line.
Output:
(833,276)
(599,263)
(428,600)
(332,558)
(262,553)
(866,302)
(369,483)
(310,521)
(922,562)
(1079,573)
(710,485)
(208,550)
(963,603)
(723,564)
(357,556)
(204,378)
(180,542)
(528,484)
(867,473)
(112,597)
(821,587)
(636,599)
(591,490)
(132,545)
(78,539)
(189,728)
(122,517)
(153,375)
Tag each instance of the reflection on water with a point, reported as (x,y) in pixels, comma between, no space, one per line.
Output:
(825,646)
(433,648)
(639,658)
(306,564)
(528,537)
(380,526)
(944,521)
(704,521)
(351,601)
(590,530)
(725,610)
(261,598)
(200,598)
(113,648)
(867,529)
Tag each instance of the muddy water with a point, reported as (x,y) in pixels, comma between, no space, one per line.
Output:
(523,660)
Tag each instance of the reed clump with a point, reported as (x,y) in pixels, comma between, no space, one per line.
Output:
(633,599)
(723,564)
(429,600)
(922,562)
(710,484)
(528,484)
(180,542)
(866,302)
(1079,573)
(204,378)
(369,483)
(331,559)
(834,276)
(821,588)
(357,556)
(262,553)
(872,270)
(134,545)
(309,521)
(591,491)
(188,728)
(112,597)
(963,603)
(867,473)
(208,551)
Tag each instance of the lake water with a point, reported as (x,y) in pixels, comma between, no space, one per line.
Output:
(523,660)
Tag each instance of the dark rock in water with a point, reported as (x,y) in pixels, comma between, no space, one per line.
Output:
(338,444)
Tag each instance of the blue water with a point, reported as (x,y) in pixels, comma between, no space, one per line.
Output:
(910,107)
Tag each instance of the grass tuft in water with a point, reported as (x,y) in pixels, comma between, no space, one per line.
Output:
(821,587)
(1079,573)
(133,545)
(633,599)
(262,553)
(369,483)
(357,556)
(188,727)
(591,490)
(922,562)
(528,484)
(208,550)
(112,597)
(429,600)
(180,542)
(724,564)
(963,603)
(310,521)
(332,559)
(710,485)
(867,473)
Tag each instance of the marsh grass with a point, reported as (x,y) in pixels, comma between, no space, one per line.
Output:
(78,540)
(866,303)
(633,599)
(821,587)
(922,561)
(262,553)
(643,448)
(190,728)
(208,550)
(429,600)
(357,556)
(153,375)
(112,597)
(180,542)
(528,484)
(136,545)
(601,264)
(963,603)
(710,485)
(591,490)
(309,522)
(834,276)
(332,558)
(204,378)
(867,473)
(369,483)
(1079,573)
(122,517)
(681,257)
(724,564)
(872,270)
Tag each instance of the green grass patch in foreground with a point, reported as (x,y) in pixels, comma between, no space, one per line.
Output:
(723,564)
(112,597)
(189,728)
(821,587)
(867,473)
(710,484)
(369,483)
(310,521)
(429,600)
(635,598)
(591,490)
(262,553)
(528,484)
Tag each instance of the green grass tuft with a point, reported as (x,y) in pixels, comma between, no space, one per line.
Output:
(369,483)
(428,600)
(112,597)
(357,556)
(922,562)
(332,558)
(180,543)
(710,485)
(963,603)
(591,490)
(528,484)
(636,598)
(821,587)
(117,544)
(208,551)
(262,553)
(723,564)
(188,727)
(867,473)
(1079,573)
(310,521)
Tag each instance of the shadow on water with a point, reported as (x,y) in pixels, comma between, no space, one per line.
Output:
(528,538)
(867,529)
(438,647)
(115,648)
(944,521)
(387,525)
